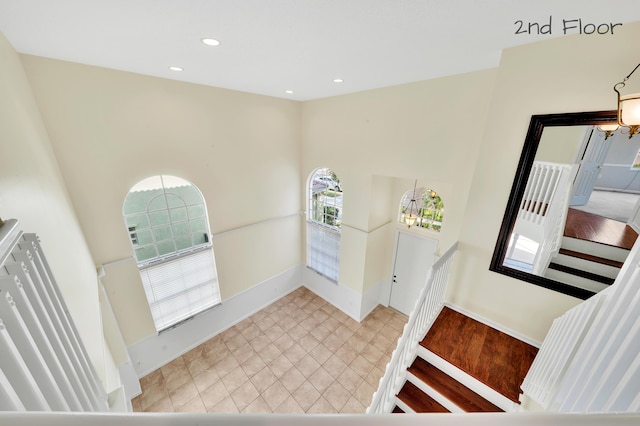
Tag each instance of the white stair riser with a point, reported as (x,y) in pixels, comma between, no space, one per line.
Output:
(404,407)
(595,249)
(587,265)
(442,400)
(472,383)
(575,280)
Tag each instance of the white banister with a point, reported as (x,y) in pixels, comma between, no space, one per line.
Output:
(44,364)
(543,209)
(590,360)
(424,313)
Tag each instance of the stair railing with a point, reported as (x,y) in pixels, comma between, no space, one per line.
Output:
(543,209)
(558,349)
(424,313)
(44,365)
(589,362)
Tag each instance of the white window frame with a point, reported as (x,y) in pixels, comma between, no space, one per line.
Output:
(184,282)
(324,220)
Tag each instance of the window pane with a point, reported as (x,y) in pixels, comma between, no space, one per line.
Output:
(196,211)
(180,229)
(159,218)
(183,242)
(158,202)
(190,195)
(198,225)
(166,247)
(200,239)
(144,237)
(178,214)
(145,253)
(139,221)
(174,199)
(162,233)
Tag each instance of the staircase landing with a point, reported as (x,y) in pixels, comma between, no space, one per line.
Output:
(492,357)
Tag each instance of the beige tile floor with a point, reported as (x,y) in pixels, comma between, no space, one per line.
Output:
(298,355)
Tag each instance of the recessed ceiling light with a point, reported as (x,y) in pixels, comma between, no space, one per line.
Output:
(338,80)
(289,92)
(176,68)
(211,42)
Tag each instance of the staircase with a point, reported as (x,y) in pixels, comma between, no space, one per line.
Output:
(592,251)
(463,365)
(586,264)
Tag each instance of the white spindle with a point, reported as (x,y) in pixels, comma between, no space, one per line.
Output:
(70,330)
(60,369)
(9,399)
(19,375)
(43,364)
(424,313)
(30,353)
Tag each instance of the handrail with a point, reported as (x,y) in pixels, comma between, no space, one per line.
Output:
(424,313)
(589,360)
(558,349)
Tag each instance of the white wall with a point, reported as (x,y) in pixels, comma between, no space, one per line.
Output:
(568,74)
(110,129)
(33,191)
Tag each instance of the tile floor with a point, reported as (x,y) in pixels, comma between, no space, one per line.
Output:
(298,355)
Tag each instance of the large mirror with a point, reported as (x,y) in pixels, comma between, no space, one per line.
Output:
(569,221)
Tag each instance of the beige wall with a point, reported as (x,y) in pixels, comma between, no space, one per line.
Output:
(560,144)
(404,132)
(568,74)
(110,129)
(32,190)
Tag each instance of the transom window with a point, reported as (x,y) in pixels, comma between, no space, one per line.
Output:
(430,208)
(323,223)
(166,220)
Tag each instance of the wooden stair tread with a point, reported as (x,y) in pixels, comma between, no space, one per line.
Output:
(492,357)
(580,273)
(598,229)
(451,389)
(419,401)
(591,258)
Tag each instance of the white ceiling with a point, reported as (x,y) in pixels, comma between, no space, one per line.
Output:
(269,46)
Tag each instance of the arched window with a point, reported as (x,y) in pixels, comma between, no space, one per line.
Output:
(430,208)
(166,219)
(323,223)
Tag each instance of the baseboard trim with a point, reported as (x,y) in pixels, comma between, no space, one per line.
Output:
(155,351)
(340,296)
(372,298)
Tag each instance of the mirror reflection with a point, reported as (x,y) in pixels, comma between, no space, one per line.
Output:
(571,219)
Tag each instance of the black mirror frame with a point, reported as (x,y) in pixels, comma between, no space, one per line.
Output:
(532,140)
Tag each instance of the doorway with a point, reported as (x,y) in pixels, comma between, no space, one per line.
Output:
(414,256)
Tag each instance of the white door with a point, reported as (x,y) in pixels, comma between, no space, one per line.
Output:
(634,220)
(590,164)
(414,256)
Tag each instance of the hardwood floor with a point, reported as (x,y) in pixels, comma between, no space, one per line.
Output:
(495,358)
(591,227)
